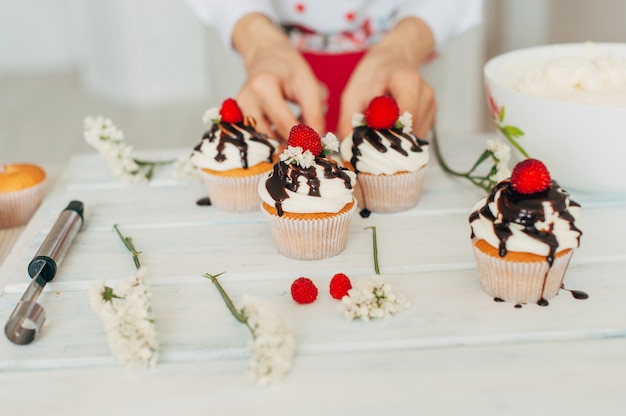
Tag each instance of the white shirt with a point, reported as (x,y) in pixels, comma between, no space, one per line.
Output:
(446,18)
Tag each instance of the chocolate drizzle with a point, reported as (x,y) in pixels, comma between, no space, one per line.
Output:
(285,176)
(526,210)
(233,133)
(372,136)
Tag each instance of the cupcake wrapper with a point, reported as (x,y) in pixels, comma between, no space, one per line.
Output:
(233,194)
(316,239)
(520,282)
(18,207)
(391,193)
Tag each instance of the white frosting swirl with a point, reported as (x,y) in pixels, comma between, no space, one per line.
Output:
(333,192)
(566,236)
(371,160)
(592,77)
(205,155)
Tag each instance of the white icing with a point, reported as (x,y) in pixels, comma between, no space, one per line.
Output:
(387,163)
(334,194)
(205,157)
(519,241)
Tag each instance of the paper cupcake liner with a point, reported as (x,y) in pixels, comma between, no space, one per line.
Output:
(520,282)
(233,194)
(305,239)
(18,207)
(391,193)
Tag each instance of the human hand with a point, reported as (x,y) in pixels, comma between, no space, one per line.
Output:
(276,73)
(391,67)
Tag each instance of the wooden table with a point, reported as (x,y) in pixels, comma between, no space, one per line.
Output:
(455,351)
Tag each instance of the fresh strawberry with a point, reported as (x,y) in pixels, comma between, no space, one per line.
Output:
(230,111)
(305,137)
(382,112)
(530,176)
(303,290)
(340,285)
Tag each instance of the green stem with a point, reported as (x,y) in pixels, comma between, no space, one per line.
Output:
(375,248)
(442,162)
(476,180)
(514,142)
(141,162)
(128,242)
(227,300)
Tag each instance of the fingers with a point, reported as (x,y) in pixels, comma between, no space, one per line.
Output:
(265,96)
(415,95)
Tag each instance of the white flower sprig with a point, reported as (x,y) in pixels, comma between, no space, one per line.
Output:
(329,144)
(496,150)
(127,315)
(373,299)
(212,115)
(273,345)
(104,136)
(295,155)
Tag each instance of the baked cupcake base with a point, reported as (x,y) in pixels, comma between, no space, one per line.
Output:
(519,278)
(235,191)
(21,193)
(310,236)
(391,193)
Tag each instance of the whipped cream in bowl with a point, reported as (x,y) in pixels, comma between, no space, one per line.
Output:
(593,75)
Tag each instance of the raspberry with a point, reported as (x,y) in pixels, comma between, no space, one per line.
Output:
(339,286)
(530,176)
(230,111)
(305,137)
(303,290)
(382,112)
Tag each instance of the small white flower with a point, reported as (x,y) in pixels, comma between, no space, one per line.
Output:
(330,142)
(212,115)
(295,155)
(406,120)
(501,153)
(500,150)
(128,320)
(371,300)
(273,345)
(358,119)
(185,169)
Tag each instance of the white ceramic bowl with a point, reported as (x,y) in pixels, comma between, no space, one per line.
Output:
(583,145)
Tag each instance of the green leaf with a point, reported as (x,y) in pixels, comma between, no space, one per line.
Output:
(512,131)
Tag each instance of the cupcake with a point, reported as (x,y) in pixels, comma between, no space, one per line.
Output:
(232,158)
(389,160)
(523,236)
(21,192)
(307,197)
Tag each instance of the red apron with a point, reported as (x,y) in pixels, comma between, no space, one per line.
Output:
(333,70)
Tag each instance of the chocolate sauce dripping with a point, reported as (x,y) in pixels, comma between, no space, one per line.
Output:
(233,133)
(577,294)
(394,136)
(203,202)
(526,210)
(285,176)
